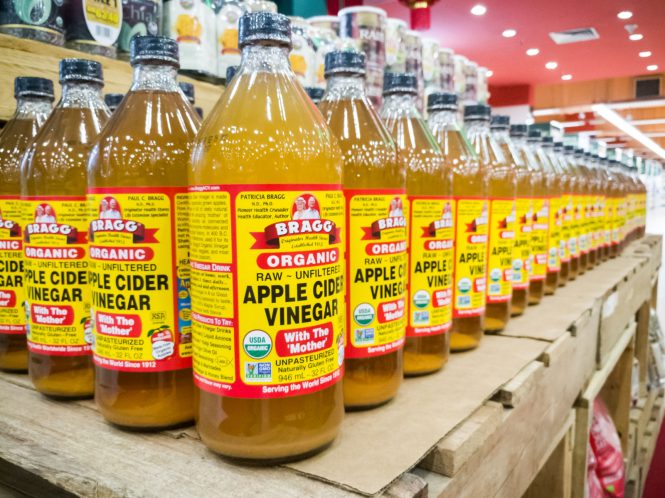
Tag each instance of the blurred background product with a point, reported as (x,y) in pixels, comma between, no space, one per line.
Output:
(41,20)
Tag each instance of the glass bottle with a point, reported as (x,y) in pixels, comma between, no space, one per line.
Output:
(566,212)
(137,195)
(555,189)
(315,93)
(374,186)
(34,100)
(429,189)
(577,191)
(470,207)
(502,187)
(618,210)
(53,184)
(587,194)
(267,147)
(604,205)
(113,100)
(540,222)
(522,257)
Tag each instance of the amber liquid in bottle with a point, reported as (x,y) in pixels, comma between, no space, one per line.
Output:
(524,181)
(370,162)
(147,143)
(55,165)
(470,181)
(427,174)
(502,184)
(566,185)
(31,113)
(265,130)
(554,191)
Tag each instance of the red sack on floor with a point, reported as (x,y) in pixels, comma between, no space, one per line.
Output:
(606,446)
(594,488)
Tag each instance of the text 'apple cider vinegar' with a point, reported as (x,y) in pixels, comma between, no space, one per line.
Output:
(137,200)
(431,227)
(267,221)
(539,214)
(53,186)
(522,257)
(376,244)
(470,208)
(34,99)
(502,188)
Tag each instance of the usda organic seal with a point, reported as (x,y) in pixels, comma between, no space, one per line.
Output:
(363,314)
(464,285)
(495,275)
(421,299)
(257,344)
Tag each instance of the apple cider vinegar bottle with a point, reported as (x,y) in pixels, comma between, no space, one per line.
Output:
(431,226)
(502,188)
(56,258)
(522,257)
(267,247)
(377,235)
(137,197)
(554,191)
(470,207)
(34,100)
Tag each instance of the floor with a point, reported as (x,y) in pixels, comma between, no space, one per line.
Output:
(655,484)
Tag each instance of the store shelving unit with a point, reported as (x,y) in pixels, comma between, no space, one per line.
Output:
(506,420)
(30,58)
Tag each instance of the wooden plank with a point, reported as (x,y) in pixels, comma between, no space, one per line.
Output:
(642,345)
(409,485)
(71,447)
(31,58)
(449,455)
(517,389)
(554,478)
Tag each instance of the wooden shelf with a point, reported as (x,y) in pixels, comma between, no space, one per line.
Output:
(516,425)
(19,57)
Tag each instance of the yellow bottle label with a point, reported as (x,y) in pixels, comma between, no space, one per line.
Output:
(432,234)
(554,239)
(522,257)
(566,231)
(12,293)
(540,237)
(578,240)
(500,250)
(267,288)
(377,271)
(604,225)
(471,227)
(139,275)
(588,227)
(613,214)
(56,275)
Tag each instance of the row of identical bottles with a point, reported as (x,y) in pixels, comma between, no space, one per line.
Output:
(301,260)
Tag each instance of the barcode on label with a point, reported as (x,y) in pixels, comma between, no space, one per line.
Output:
(102,30)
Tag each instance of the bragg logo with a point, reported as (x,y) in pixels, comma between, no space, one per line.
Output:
(477,222)
(13,227)
(446,221)
(46,223)
(395,219)
(111,220)
(305,220)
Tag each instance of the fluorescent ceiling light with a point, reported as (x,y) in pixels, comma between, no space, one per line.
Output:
(636,37)
(637,104)
(643,122)
(572,124)
(489,73)
(567,77)
(658,134)
(509,33)
(478,10)
(532,51)
(547,112)
(625,14)
(551,65)
(646,53)
(612,117)
(556,124)
(652,67)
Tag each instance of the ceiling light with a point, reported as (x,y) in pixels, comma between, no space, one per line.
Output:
(478,10)
(625,14)
(532,51)
(509,33)
(652,67)
(644,122)
(567,77)
(636,37)
(489,73)
(551,65)
(646,53)
(623,125)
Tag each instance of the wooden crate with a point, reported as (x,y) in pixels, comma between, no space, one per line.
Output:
(31,58)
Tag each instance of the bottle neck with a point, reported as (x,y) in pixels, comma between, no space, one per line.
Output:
(400,105)
(500,133)
(477,128)
(445,118)
(265,58)
(82,95)
(155,77)
(519,140)
(31,107)
(345,87)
